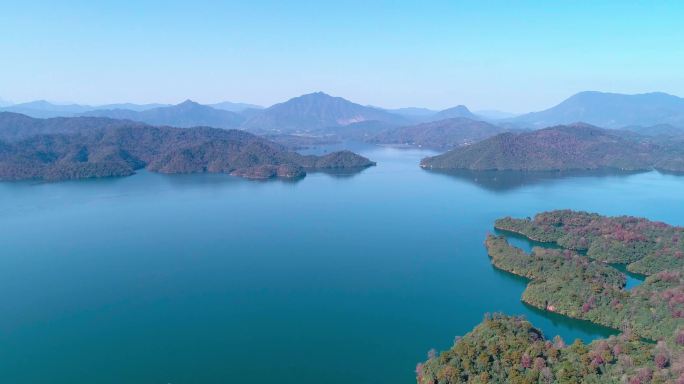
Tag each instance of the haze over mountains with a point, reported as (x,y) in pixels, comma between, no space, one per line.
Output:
(235,107)
(441,134)
(184,115)
(319,110)
(46,109)
(610,110)
(329,118)
(316,111)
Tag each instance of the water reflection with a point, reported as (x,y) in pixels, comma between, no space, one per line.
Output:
(341,173)
(573,324)
(503,181)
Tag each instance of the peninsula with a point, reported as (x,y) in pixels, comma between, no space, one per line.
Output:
(575,280)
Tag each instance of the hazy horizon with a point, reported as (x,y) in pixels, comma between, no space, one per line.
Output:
(496,56)
(484,110)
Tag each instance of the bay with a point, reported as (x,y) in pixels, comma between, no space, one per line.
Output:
(213,279)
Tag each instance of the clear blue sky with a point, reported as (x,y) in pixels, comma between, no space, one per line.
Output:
(514,56)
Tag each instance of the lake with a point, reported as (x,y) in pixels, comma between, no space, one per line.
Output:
(330,279)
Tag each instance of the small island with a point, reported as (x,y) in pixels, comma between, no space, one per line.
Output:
(576,280)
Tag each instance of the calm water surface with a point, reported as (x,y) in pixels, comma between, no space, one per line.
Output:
(213,279)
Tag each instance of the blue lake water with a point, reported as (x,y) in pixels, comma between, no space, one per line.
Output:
(214,279)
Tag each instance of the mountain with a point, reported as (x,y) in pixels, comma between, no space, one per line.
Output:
(610,110)
(5,103)
(422,115)
(234,107)
(45,109)
(16,127)
(572,147)
(315,112)
(457,111)
(441,135)
(363,130)
(130,106)
(413,113)
(184,115)
(87,147)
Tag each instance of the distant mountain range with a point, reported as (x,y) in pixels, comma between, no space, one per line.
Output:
(89,147)
(320,113)
(46,109)
(184,115)
(610,110)
(493,114)
(566,147)
(315,112)
(440,135)
(413,112)
(651,135)
(424,115)
(457,111)
(235,107)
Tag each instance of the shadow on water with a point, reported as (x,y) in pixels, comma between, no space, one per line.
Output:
(504,181)
(573,324)
(222,178)
(522,242)
(633,279)
(341,173)
(558,321)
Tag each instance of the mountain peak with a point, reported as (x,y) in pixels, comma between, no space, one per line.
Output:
(459,107)
(611,110)
(188,102)
(457,111)
(316,95)
(316,111)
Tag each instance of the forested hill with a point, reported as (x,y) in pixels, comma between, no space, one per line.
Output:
(566,281)
(441,135)
(564,147)
(74,148)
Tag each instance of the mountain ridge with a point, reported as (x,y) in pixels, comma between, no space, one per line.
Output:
(440,134)
(564,147)
(315,111)
(184,115)
(91,147)
(610,110)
